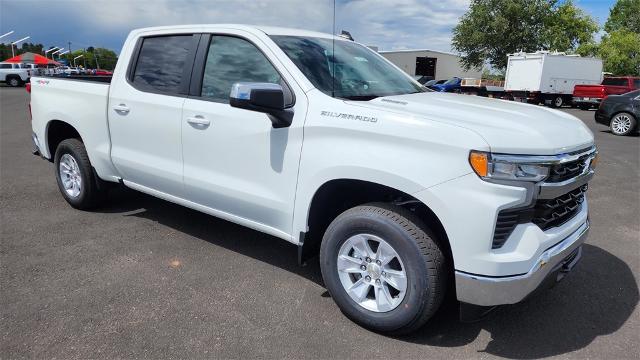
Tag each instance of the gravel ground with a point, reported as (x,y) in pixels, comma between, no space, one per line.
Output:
(142,277)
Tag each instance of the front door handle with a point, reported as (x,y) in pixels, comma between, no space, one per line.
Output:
(121,109)
(198,120)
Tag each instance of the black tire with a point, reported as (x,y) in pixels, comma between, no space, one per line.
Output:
(423,261)
(14,81)
(557,101)
(632,123)
(91,192)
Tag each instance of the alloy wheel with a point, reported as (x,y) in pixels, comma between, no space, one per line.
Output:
(621,124)
(372,273)
(70,175)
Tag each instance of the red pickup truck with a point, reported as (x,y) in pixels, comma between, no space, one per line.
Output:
(587,96)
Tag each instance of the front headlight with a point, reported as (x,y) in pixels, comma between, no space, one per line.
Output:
(502,167)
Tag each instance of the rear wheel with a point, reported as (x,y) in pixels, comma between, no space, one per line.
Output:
(14,81)
(622,124)
(76,179)
(557,101)
(382,268)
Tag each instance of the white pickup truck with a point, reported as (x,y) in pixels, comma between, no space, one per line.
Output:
(14,75)
(403,193)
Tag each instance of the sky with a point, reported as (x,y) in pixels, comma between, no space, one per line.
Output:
(390,24)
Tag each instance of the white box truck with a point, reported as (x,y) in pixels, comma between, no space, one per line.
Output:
(549,78)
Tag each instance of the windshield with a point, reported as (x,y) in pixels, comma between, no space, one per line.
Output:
(354,73)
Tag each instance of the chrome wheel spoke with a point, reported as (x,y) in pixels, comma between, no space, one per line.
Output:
(385,253)
(362,247)
(349,264)
(396,279)
(384,300)
(359,289)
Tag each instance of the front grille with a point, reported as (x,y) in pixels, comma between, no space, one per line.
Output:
(555,212)
(568,170)
(546,213)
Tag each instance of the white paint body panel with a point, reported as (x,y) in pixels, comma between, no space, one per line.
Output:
(550,73)
(241,169)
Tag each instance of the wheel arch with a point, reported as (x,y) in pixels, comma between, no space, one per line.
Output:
(57,131)
(326,206)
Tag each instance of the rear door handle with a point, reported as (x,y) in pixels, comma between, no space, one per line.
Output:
(121,109)
(198,120)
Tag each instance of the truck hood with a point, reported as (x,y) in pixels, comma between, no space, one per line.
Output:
(506,126)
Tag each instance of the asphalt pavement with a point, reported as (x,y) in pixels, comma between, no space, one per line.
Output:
(144,278)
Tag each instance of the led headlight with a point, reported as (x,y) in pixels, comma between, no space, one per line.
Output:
(502,167)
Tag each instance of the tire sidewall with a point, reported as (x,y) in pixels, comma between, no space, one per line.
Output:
(415,268)
(14,82)
(85,174)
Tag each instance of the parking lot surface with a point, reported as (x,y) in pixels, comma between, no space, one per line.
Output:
(142,277)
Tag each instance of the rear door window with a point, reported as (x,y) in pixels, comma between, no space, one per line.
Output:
(636,84)
(161,64)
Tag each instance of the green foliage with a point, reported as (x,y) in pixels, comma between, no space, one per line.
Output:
(625,15)
(489,75)
(620,52)
(568,28)
(492,29)
(5,49)
(93,58)
(619,49)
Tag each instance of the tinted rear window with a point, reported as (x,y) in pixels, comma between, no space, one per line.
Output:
(161,63)
(615,81)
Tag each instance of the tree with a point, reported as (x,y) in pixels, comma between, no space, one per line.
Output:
(568,28)
(492,29)
(620,52)
(625,14)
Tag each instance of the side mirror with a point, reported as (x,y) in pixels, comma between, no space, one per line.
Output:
(266,98)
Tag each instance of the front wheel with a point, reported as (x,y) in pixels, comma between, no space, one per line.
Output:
(622,124)
(76,179)
(382,268)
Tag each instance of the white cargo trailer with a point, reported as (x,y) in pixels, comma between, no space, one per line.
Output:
(549,78)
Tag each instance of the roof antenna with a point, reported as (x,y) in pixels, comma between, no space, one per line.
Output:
(333,53)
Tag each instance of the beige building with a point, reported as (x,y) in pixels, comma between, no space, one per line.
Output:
(439,64)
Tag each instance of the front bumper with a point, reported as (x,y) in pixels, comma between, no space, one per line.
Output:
(602,118)
(552,263)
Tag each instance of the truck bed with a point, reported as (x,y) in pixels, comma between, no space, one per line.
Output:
(80,101)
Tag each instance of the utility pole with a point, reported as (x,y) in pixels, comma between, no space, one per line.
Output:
(96,57)
(70,52)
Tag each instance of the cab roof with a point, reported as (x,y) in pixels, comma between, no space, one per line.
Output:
(269,30)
